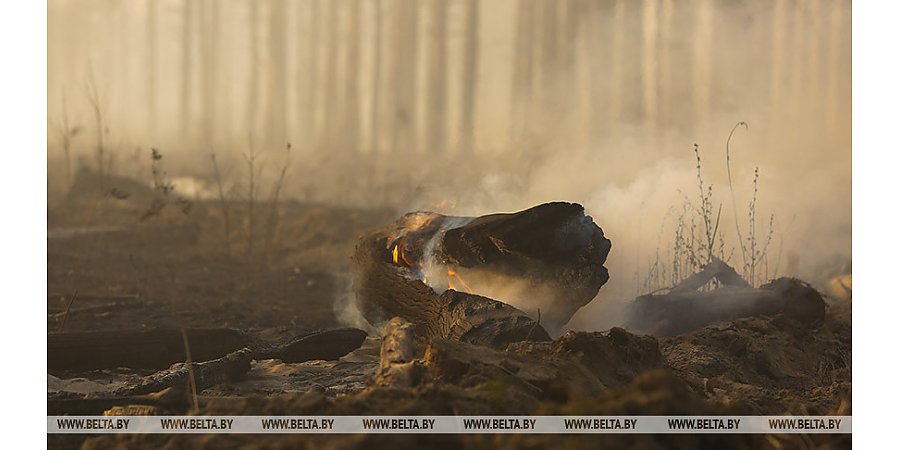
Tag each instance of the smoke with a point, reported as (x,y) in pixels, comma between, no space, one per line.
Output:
(346,307)
(605,112)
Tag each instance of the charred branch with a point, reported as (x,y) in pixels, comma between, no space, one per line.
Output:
(680,312)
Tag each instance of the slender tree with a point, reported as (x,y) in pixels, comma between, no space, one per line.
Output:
(312,83)
(375,112)
(209,24)
(404,87)
(276,105)
(350,132)
(470,78)
(522,95)
(437,78)
(151,68)
(186,66)
(332,86)
(252,103)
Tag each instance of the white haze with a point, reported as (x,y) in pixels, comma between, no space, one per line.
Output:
(614,130)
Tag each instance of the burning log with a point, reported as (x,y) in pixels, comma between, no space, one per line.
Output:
(685,308)
(437,271)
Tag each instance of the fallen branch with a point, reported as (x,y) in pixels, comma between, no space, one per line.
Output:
(206,374)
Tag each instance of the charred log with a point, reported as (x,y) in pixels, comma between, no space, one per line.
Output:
(206,374)
(553,252)
(679,312)
(325,345)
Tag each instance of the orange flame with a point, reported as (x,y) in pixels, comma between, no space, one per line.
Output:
(394,253)
(452,275)
(403,256)
(445,204)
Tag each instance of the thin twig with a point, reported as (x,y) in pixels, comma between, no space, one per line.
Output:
(223,200)
(731,187)
(190,365)
(68,308)
(535,325)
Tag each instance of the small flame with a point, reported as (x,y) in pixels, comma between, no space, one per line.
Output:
(452,275)
(394,254)
(445,204)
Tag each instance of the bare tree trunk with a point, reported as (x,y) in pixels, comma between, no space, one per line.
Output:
(253,84)
(470,79)
(665,60)
(151,68)
(209,20)
(649,64)
(331,82)
(777,67)
(437,79)
(277,85)
(834,51)
(393,57)
(313,131)
(617,60)
(549,58)
(404,87)
(566,40)
(702,66)
(522,91)
(375,135)
(352,120)
(186,67)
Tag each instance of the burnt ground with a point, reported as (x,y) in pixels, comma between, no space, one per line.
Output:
(175,269)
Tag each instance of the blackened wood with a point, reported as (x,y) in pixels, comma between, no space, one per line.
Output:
(680,312)
(384,291)
(717,269)
(206,374)
(327,345)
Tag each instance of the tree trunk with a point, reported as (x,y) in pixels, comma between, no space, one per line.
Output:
(523,73)
(375,113)
(437,79)
(186,67)
(253,81)
(151,69)
(332,86)
(405,82)
(350,131)
(470,79)
(209,19)
(276,93)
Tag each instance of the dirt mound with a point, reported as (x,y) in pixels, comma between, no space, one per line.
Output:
(758,365)
(768,364)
